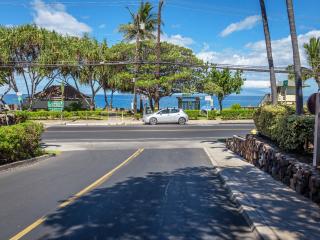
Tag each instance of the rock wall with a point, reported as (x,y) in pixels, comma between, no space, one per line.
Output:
(8,119)
(301,177)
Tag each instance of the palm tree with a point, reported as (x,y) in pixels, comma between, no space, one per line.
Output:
(273,81)
(142,26)
(296,58)
(313,53)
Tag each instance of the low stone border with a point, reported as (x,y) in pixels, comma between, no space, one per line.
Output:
(301,177)
(10,166)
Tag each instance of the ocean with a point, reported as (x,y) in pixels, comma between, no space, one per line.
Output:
(124,101)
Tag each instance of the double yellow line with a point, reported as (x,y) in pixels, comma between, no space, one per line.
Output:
(77,195)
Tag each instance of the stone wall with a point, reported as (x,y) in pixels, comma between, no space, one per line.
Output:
(301,177)
(7,119)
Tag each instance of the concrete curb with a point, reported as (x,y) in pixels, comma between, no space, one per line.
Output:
(263,232)
(26,162)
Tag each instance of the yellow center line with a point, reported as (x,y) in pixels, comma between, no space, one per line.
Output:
(77,195)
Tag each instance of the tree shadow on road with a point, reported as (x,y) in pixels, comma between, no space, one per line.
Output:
(188,203)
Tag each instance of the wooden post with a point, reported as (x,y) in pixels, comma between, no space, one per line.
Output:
(316,144)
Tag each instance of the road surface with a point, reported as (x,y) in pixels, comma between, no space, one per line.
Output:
(124,193)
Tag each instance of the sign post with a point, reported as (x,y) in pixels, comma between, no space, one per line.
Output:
(316,144)
(208,100)
(314,108)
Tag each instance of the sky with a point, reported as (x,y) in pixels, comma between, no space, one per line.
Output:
(228,31)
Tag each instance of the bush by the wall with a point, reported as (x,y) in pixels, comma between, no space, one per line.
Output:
(236,114)
(50,115)
(192,114)
(280,124)
(20,141)
(266,118)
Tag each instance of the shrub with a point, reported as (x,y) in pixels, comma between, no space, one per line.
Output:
(20,141)
(236,114)
(287,130)
(192,114)
(74,106)
(236,106)
(266,118)
(212,115)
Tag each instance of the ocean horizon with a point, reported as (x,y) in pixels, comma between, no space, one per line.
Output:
(125,100)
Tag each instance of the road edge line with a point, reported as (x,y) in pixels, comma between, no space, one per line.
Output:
(70,200)
(255,228)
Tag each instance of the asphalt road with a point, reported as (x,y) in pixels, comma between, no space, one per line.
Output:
(163,193)
(144,133)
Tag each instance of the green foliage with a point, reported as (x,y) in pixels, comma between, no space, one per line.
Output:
(266,117)
(72,115)
(222,83)
(20,141)
(236,114)
(312,50)
(74,106)
(235,106)
(280,124)
(192,114)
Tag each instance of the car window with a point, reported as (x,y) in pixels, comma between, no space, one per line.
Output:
(164,111)
(174,110)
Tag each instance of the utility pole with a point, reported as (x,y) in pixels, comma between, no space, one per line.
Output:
(158,50)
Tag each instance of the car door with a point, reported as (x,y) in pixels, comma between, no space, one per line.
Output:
(163,116)
(174,115)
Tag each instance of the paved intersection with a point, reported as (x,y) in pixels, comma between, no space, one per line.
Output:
(168,191)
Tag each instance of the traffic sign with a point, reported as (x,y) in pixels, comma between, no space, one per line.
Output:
(207,98)
(285,83)
(311,104)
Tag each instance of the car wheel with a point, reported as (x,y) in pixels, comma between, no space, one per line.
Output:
(182,121)
(153,121)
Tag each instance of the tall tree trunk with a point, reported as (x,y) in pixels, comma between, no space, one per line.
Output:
(156,102)
(135,100)
(105,99)
(111,99)
(141,104)
(151,103)
(220,103)
(273,81)
(296,58)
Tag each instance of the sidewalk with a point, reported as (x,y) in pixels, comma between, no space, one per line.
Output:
(273,210)
(132,122)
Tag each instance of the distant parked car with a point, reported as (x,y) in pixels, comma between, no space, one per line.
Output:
(168,115)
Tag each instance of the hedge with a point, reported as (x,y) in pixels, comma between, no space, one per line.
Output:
(21,141)
(50,115)
(289,131)
(192,114)
(236,114)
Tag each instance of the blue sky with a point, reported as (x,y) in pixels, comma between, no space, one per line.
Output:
(228,31)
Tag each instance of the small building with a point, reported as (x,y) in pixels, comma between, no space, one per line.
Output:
(286,91)
(52,98)
(189,102)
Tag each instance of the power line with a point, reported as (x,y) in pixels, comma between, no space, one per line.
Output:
(246,68)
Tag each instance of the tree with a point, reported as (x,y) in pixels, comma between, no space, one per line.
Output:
(222,83)
(296,58)
(174,77)
(141,27)
(273,81)
(313,54)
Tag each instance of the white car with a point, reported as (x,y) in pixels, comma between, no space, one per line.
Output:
(168,115)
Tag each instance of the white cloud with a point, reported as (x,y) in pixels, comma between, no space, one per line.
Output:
(255,52)
(247,23)
(178,40)
(55,17)
(256,84)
